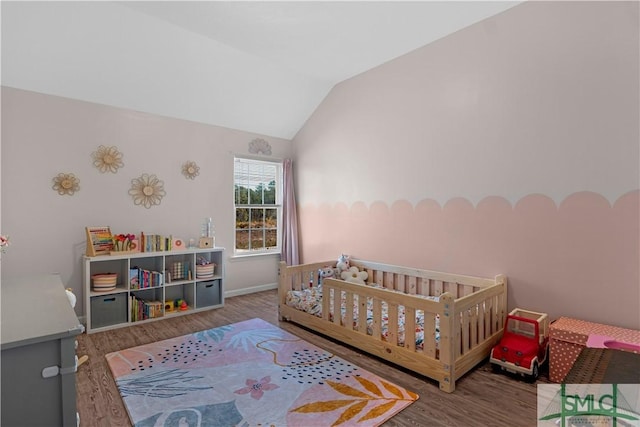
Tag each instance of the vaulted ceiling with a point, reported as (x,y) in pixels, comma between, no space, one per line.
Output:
(261,67)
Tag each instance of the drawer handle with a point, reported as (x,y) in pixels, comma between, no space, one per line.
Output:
(50,371)
(208,286)
(109,299)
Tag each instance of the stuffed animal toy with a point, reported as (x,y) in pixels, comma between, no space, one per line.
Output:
(354,276)
(343,263)
(324,273)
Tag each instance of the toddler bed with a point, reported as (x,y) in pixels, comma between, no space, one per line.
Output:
(437,324)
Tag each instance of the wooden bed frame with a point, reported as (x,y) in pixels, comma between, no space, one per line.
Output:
(472,312)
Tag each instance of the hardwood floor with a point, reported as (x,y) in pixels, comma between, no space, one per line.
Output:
(481,398)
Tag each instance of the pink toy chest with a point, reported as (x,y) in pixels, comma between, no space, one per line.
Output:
(568,337)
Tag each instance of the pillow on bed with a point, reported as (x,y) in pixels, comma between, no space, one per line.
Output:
(354,275)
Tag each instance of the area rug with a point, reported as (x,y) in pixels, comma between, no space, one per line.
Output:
(249,373)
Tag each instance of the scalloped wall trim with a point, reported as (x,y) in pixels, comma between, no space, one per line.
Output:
(579,259)
(489,199)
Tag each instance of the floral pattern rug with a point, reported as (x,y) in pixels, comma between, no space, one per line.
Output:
(249,373)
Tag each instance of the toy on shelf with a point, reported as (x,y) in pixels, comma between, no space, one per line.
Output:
(168,307)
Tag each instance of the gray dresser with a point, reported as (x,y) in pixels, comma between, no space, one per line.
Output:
(38,357)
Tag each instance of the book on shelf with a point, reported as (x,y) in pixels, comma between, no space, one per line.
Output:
(134,279)
(143,310)
(155,242)
(140,278)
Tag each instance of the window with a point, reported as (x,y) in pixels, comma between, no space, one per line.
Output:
(258,206)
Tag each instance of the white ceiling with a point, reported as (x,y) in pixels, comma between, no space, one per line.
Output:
(261,67)
(329,41)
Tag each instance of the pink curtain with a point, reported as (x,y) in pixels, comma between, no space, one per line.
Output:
(289,218)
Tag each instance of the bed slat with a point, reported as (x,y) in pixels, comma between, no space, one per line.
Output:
(337,304)
(410,328)
(377,318)
(437,288)
(422,286)
(481,327)
(412,287)
(465,332)
(388,280)
(348,314)
(430,335)
(473,322)
(392,325)
(362,314)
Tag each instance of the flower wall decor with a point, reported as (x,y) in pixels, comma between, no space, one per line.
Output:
(107,159)
(66,183)
(260,146)
(190,170)
(147,190)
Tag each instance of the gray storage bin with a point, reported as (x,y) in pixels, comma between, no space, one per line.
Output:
(208,293)
(107,310)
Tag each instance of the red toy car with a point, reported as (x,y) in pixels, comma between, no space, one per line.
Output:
(524,345)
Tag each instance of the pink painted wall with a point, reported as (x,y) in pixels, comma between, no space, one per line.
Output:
(579,259)
(509,147)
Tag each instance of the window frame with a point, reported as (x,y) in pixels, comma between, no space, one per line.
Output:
(279,187)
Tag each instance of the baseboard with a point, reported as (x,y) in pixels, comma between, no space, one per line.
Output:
(251,290)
